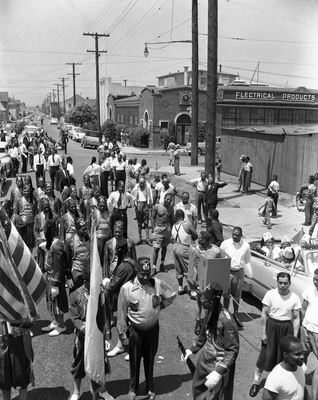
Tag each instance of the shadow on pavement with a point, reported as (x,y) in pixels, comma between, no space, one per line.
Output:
(55,393)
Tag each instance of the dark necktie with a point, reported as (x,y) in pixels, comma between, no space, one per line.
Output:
(119,200)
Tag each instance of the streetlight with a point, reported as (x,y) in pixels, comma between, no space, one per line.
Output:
(146,51)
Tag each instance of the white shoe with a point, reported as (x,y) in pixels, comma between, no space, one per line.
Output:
(57,331)
(50,327)
(127,357)
(75,396)
(106,396)
(116,350)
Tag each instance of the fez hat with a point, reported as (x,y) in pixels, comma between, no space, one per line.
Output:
(285,239)
(267,236)
(144,265)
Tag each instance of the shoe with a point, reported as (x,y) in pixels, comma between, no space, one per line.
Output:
(106,396)
(254,390)
(305,224)
(193,295)
(151,395)
(238,322)
(57,331)
(182,291)
(199,221)
(50,327)
(198,327)
(131,395)
(127,357)
(139,242)
(75,396)
(116,350)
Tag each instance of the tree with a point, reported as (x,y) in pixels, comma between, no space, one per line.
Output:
(83,113)
(109,129)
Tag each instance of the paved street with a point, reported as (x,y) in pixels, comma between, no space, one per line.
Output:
(172,379)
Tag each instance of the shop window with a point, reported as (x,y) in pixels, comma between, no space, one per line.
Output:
(243,116)
(285,117)
(122,119)
(228,116)
(271,116)
(130,120)
(136,121)
(299,116)
(257,116)
(311,116)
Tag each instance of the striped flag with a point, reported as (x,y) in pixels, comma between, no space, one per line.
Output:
(22,284)
(97,320)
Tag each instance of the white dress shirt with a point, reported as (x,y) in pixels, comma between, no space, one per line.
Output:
(126,200)
(39,159)
(54,160)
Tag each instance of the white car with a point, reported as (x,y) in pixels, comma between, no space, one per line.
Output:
(76,133)
(54,121)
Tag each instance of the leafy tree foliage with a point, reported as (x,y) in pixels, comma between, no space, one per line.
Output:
(109,129)
(83,113)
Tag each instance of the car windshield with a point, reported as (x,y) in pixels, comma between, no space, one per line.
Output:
(77,130)
(312,261)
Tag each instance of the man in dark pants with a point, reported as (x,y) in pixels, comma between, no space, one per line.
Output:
(211,193)
(140,297)
(214,227)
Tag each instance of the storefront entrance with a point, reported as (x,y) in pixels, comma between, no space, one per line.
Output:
(183,125)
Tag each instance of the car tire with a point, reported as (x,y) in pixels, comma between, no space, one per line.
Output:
(199,152)
(189,154)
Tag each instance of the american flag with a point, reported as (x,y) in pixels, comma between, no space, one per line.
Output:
(22,284)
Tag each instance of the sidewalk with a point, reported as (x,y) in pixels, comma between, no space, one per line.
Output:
(237,209)
(131,150)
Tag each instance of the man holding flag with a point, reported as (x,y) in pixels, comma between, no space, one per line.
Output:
(90,314)
(22,286)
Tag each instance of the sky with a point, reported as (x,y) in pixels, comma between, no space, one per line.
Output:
(38,38)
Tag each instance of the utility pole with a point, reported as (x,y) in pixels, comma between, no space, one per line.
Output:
(74,75)
(97,53)
(58,98)
(212,87)
(63,87)
(53,95)
(195,85)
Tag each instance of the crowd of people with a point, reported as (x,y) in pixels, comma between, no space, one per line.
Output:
(55,220)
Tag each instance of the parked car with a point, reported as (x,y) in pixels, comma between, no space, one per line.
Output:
(54,121)
(5,164)
(202,147)
(90,139)
(261,272)
(76,133)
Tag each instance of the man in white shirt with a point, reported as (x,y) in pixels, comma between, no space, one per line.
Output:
(201,184)
(143,204)
(274,188)
(280,317)
(53,164)
(189,210)
(287,380)
(309,328)
(39,164)
(240,254)
(164,187)
(117,204)
(136,166)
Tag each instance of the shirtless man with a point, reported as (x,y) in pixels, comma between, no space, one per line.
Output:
(162,221)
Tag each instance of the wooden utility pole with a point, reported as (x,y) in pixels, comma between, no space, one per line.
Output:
(63,87)
(74,75)
(97,53)
(58,98)
(212,87)
(195,85)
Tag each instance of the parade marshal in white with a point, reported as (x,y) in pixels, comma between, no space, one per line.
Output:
(139,304)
